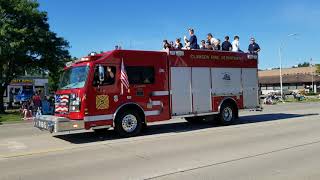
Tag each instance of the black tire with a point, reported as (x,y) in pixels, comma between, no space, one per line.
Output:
(128,124)
(144,127)
(227,115)
(195,120)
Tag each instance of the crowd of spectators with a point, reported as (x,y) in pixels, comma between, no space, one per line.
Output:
(37,105)
(211,43)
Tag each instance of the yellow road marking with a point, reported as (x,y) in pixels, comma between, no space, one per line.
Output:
(12,155)
(44,151)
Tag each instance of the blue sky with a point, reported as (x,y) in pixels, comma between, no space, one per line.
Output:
(98,25)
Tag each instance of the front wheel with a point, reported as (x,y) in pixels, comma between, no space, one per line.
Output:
(128,124)
(227,114)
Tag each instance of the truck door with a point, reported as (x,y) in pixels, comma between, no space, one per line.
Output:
(148,79)
(250,88)
(102,95)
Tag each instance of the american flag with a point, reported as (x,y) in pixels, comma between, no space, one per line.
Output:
(124,78)
(61,103)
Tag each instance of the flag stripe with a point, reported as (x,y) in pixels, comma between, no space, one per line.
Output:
(124,77)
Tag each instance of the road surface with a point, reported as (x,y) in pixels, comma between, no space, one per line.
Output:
(282,142)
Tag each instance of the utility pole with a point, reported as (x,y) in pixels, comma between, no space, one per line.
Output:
(280,71)
(282,43)
(312,75)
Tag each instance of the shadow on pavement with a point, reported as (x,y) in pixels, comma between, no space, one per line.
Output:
(270,117)
(178,127)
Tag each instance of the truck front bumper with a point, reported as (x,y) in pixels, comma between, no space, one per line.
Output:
(55,124)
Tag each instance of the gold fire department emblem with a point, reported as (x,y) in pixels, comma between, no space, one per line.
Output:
(102,102)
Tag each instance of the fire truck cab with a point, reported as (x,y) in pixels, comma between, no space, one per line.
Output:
(192,84)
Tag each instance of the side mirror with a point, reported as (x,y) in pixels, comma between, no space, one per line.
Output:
(101,73)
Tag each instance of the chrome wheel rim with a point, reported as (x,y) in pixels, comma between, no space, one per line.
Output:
(129,123)
(227,114)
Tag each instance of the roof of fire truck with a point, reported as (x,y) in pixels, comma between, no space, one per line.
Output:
(200,58)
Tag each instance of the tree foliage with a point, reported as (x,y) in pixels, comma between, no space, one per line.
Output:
(26,42)
(304,64)
(318,68)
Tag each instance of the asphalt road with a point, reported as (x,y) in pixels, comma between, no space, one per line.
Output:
(282,142)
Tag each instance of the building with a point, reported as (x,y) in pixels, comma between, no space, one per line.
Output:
(28,82)
(293,79)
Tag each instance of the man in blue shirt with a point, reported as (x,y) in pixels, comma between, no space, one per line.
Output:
(192,42)
(253,48)
(226,45)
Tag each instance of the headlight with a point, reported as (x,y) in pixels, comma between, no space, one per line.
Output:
(74,103)
(74,108)
(73,96)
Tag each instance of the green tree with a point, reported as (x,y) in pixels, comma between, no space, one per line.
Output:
(305,64)
(318,68)
(54,76)
(26,42)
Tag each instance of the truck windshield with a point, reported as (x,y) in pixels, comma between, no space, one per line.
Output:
(74,77)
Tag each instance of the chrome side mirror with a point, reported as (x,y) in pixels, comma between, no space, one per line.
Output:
(101,73)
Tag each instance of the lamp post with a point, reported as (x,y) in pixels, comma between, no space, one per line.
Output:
(312,75)
(280,58)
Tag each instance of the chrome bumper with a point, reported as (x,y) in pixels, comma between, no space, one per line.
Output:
(55,124)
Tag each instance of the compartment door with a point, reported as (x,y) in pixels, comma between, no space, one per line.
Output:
(250,88)
(181,99)
(201,90)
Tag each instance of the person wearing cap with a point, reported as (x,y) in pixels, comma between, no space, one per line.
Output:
(192,43)
(211,41)
(253,48)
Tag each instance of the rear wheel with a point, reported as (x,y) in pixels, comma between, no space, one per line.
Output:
(227,114)
(128,124)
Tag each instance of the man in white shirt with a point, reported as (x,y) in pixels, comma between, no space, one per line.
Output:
(211,41)
(236,44)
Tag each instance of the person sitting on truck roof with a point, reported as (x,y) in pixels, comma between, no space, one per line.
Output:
(236,44)
(217,46)
(226,45)
(172,44)
(253,48)
(178,45)
(166,45)
(192,43)
(211,41)
(203,45)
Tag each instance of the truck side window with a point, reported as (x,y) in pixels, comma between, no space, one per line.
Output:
(140,74)
(109,76)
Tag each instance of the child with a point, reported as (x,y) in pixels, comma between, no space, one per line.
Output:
(178,44)
(203,45)
(26,110)
(236,44)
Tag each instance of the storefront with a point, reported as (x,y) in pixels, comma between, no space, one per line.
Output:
(293,80)
(27,85)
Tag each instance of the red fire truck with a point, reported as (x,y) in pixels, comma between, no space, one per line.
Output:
(190,84)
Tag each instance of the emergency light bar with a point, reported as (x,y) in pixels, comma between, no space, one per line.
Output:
(252,56)
(84,59)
